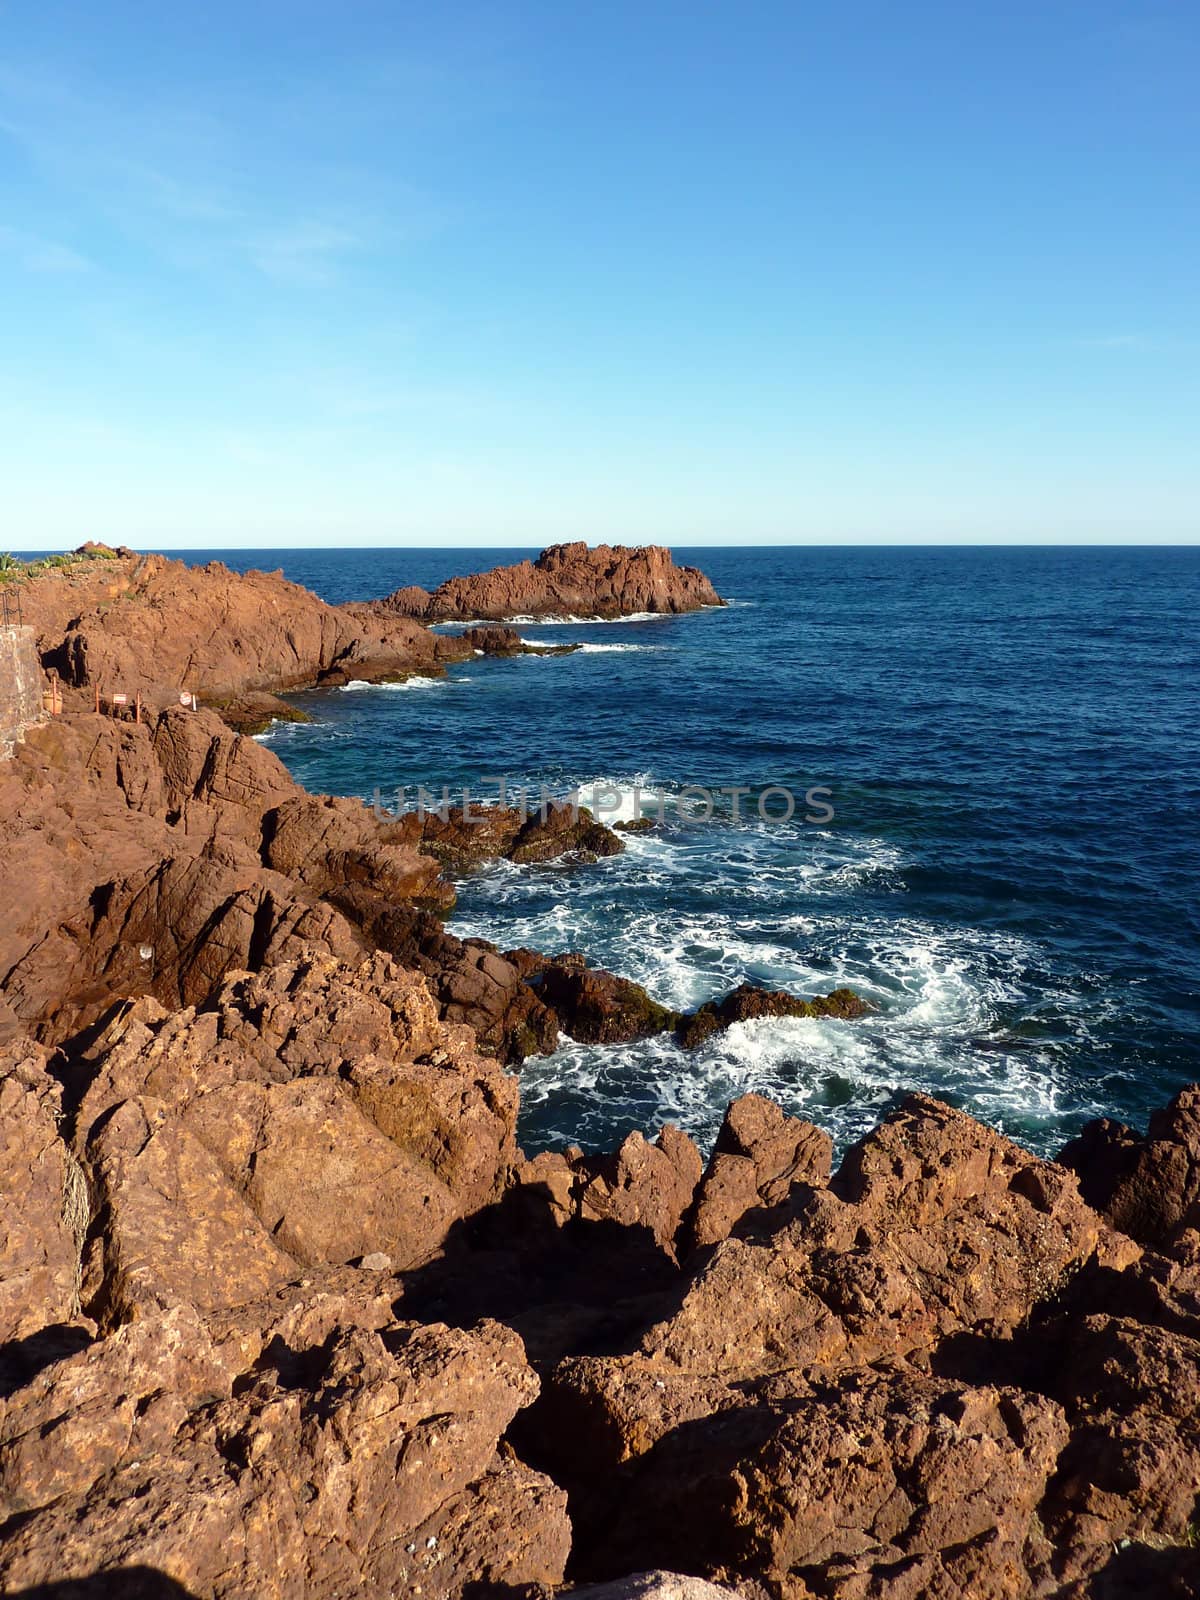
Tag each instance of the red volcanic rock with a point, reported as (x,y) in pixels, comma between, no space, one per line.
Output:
(643,1185)
(565,580)
(786,1398)
(43,1199)
(150,624)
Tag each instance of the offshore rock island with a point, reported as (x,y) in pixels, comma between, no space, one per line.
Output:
(286,1312)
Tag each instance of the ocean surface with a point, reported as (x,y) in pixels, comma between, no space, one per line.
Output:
(1011,874)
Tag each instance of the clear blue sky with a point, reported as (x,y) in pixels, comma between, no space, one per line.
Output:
(305,272)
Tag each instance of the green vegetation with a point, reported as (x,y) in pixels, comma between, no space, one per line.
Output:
(14,570)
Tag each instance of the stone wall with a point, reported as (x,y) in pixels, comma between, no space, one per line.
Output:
(21,683)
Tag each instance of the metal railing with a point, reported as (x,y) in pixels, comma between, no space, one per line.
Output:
(10,608)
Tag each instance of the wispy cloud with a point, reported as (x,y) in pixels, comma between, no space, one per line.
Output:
(203,191)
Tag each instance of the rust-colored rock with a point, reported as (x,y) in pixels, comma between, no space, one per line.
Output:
(152,625)
(321,1469)
(565,580)
(759,1155)
(43,1200)
(1148,1188)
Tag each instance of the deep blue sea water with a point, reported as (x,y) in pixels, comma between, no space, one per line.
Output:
(1012,873)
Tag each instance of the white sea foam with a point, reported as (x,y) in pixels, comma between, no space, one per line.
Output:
(617,649)
(569,621)
(417,681)
(620,799)
(691,913)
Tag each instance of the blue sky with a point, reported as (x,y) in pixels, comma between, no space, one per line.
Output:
(367,272)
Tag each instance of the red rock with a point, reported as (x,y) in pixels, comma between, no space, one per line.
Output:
(644,1185)
(759,1154)
(43,1200)
(155,625)
(326,1469)
(318,1113)
(565,580)
(1148,1188)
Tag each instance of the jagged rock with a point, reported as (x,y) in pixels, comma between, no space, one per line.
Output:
(333,844)
(565,580)
(933,1229)
(155,625)
(643,1185)
(593,1006)
(323,1468)
(1132,1468)
(1148,1188)
(318,1113)
(759,1154)
(541,833)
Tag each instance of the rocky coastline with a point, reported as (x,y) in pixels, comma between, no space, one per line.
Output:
(286,1312)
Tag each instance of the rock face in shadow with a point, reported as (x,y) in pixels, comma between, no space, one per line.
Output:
(565,580)
(1149,1188)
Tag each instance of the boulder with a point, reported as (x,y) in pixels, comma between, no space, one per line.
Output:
(759,1155)
(1148,1188)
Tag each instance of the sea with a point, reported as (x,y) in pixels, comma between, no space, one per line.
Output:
(1003,857)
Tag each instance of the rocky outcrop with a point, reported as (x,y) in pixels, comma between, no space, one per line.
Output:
(21,683)
(759,1155)
(523,835)
(565,580)
(499,641)
(317,1113)
(155,626)
(1148,1187)
(748,1003)
(285,1312)
(936,1370)
(155,858)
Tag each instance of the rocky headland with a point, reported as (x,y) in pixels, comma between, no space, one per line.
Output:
(286,1312)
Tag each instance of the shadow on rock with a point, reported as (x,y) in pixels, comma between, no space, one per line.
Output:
(126,1583)
(580,1287)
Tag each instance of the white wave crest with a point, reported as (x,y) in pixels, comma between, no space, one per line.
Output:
(417,681)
